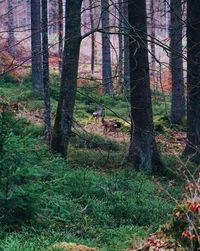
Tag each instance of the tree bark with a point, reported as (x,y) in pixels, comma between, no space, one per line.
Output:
(126,47)
(153,49)
(36,46)
(106,57)
(143,153)
(176,63)
(193,77)
(92,39)
(120,42)
(11,30)
(65,109)
(53,18)
(28,3)
(45,52)
(60,33)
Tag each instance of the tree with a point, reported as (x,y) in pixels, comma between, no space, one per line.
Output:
(11,30)
(36,46)
(45,53)
(60,32)
(176,63)
(143,153)
(126,46)
(120,41)
(193,77)
(153,34)
(106,57)
(92,38)
(53,17)
(65,109)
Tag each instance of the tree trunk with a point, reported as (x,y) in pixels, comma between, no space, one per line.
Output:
(176,63)
(92,39)
(106,57)
(60,33)
(47,112)
(153,49)
(11,30)
(28,18)
(193,77)
(36,46)
(65,109)
(143,153)
(126,48)
(53,18)
(120,41)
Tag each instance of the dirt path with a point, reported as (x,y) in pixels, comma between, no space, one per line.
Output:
(172,143)
(98,129)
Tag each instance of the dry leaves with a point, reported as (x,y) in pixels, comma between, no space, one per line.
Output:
(158,242)
(71,247)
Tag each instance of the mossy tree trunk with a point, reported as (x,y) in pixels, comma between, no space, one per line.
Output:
(143,153)
(193,77)
(65,109)
(176,63)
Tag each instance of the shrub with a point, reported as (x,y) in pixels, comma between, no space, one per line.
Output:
(18,193)
(184,225)
(186,217)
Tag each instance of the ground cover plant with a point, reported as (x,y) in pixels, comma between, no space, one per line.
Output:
(99,125)
(99,202)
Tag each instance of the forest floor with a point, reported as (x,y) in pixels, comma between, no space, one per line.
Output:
(94,198)
(173,141)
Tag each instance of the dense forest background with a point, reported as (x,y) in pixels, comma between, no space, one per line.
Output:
(99,125)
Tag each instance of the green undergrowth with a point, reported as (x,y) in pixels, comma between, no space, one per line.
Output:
(86,102)
(93,199)
(116,107)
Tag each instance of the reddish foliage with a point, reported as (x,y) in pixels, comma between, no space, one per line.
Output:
(163,81)
(54,61)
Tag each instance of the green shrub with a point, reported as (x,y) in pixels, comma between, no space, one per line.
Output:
(18,194)
(9,78)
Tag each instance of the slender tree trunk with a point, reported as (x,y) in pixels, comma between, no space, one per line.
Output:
(53,10)
(65,109)
(193,77)
(143,153)
(85,17)
(92,39)
(120,41)
(36,46)
(165,17)
(176,63)
(106,56)
(153,49)
(11,30)
(28,18)
(60,33)
(47,105)
(126,47)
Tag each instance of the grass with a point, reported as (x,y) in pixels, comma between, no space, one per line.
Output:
(82,203)
(94,198)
